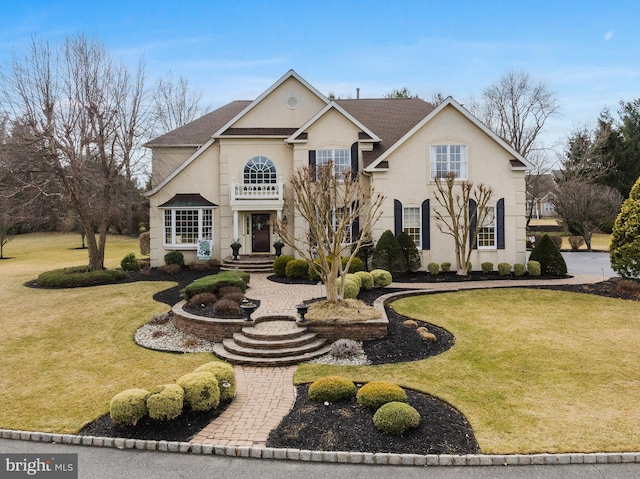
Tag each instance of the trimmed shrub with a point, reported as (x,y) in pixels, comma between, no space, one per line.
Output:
(351,289)
(388,254)
(518,269)
(396,418)
(504,269)
(376,393)
(345,348)
(433,268)
(280,265)
(356,265)
(206,299)
(78,276)
(575,242)
(225,375)
(212,283)
(410,252)
(224,307)
(445,267)
(366,279)
(170,268)
(624,251)
(174,257)
(165,402)
(381,278)
(355,278)
(332,389)
(533,268)
(145,243)
(130,263)
(486,267)
(297,269)
(231,292)
(469,267)
(548,255)
(201,390)
(129,406)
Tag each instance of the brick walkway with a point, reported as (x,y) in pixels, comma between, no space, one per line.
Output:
(265,395)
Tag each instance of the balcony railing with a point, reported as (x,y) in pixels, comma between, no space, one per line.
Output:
(257,191)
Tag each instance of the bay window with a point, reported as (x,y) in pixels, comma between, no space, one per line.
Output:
(183,227)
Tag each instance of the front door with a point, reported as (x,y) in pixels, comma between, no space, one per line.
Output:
(260,242)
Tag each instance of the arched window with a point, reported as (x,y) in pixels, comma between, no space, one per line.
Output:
(260,170)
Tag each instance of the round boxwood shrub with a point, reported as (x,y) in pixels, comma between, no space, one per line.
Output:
(396,418)
(297,269)
(130,263)
(356,264)
(548,255)
(355,278)
(165,402)
(376,393)
(518,269)
(504,269)
(174,257)
(351,289)
(366,279)
(332,389)
(129,406)
(533,267)
(225,375)
(280,265)
(381,278)
(433,268)
(487,267)
(201,390)
(445,267)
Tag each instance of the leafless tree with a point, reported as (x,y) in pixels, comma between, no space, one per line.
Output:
(539,180)
(176,104)
(585,159)
(517,108)
(586,207)
(81,107)
(329,203)
(457,214)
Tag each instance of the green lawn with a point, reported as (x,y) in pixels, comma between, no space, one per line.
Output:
(65,353)
(532,370)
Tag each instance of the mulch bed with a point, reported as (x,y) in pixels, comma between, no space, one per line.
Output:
(347,426)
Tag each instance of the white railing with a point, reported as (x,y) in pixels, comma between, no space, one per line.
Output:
(257,191)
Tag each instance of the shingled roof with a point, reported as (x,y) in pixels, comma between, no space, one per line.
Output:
(199,131)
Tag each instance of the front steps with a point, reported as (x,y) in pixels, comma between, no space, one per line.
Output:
(271,342)
(249,263)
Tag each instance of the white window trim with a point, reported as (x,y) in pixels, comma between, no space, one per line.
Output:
(494,226)
(464,162)
(404,210)
(322,161)
(187,246)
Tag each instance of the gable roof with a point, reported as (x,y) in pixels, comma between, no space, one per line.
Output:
(290,74)
(198,132)
(380,161)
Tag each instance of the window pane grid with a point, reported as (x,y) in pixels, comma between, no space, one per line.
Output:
(487,231)
(260,170)
(341,159)
(187,226)
(412,224)
(449,158)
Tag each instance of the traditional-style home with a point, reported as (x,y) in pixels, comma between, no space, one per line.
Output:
(222,179)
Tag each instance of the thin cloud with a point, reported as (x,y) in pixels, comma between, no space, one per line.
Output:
(608,35)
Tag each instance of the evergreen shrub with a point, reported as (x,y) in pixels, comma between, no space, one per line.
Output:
(128,407)
(130,263)
(624,251)
(504,269)
(165,402)
(388,254)
(332,389)
(201,390)
(410,252)
(381,278)
(297,269)
(351,289)
(225,375)
(548,255)
(78,276)
(174,257)
(376,393)
(433,268)
(486,267)
(366,279)
(519,269)
(396,418)
(533,268)
(445,267)
(280,265)
(212,283)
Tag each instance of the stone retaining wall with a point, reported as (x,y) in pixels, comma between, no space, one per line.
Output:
(213,329)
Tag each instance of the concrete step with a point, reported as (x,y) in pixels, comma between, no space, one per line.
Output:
(269,335)
(222,353)
(271,343)
(231,346)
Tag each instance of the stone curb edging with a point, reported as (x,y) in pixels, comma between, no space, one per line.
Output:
(391,459)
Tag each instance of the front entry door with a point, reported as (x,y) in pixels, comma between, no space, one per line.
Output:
(260,233)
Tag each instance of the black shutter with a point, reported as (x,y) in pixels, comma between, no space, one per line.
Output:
(473,219)
(500,223)
(397,217)
(312,164)
(355,226)
(426,226)
(354,160)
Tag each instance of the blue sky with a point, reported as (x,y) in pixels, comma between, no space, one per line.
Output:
(588,52)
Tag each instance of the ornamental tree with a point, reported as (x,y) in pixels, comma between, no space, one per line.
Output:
(625,238)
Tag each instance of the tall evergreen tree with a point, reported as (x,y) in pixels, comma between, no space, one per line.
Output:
(625,239)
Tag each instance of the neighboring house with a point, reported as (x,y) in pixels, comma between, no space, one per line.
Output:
(224,176)
(541,193)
